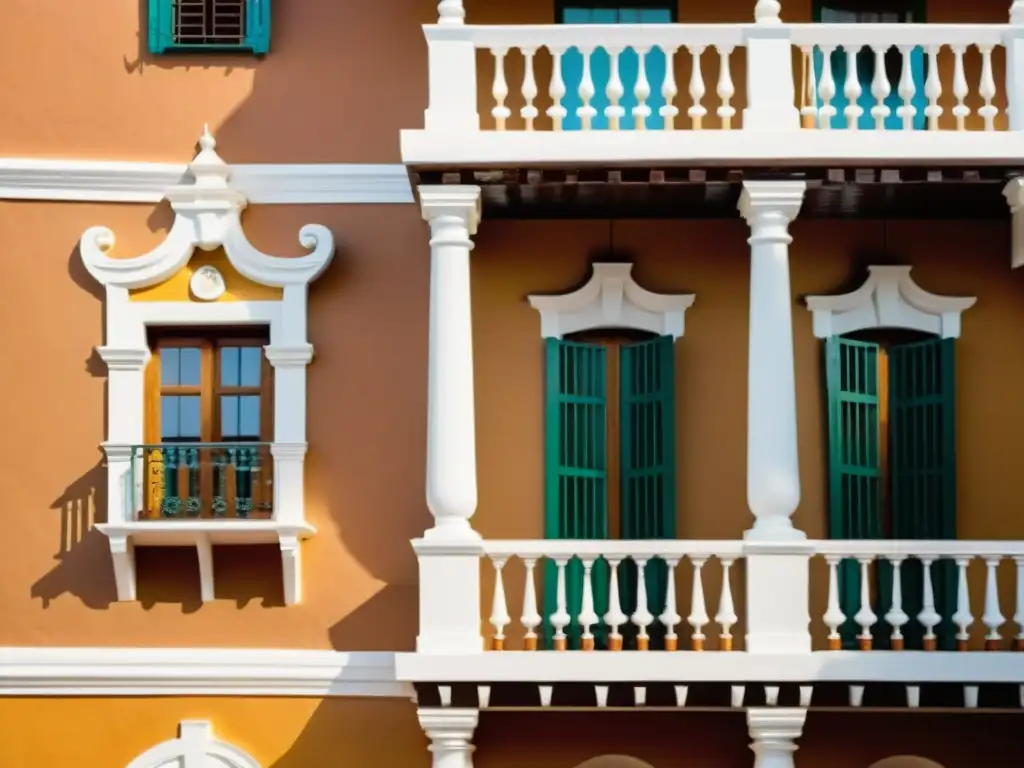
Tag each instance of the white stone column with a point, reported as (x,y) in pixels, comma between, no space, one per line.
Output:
(451,735)
(774,731)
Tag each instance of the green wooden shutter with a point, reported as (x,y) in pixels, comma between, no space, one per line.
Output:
(576,484)
(257,26)
(923,471)
(161,25)
(854,459)
(648,478)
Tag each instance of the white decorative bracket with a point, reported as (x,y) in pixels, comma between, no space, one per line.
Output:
(195,747)
(889,298)
(1014,194)
(612,299)
(207,211)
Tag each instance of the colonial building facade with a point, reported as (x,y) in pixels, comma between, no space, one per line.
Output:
(697,322)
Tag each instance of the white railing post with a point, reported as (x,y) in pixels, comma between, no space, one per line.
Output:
(1014,41)
(771,92)
(451,66)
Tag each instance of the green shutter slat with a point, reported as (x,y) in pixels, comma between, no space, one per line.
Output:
(923,472)
(161,25)
(576,472)
(257,26)
(851,372)
(647,422)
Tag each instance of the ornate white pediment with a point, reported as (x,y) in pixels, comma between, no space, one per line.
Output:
(612,299)
(207,215)
(195,747)
(889,298)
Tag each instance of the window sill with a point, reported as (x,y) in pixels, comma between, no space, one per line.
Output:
(203,535)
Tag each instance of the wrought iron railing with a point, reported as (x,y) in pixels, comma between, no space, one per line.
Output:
(202,480)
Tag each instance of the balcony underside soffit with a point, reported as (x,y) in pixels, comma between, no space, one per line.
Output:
(911,192)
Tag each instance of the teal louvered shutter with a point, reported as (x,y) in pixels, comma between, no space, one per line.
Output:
(257,26)
(647,451)
(923,472)
(161,25)
(855,499)
(576,482)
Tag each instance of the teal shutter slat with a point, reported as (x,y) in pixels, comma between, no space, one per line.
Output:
(161,25)
(576,473)
(257,26)
(923,470)
(851,369)
(647,404)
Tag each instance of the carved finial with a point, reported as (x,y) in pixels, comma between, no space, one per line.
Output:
(767,12)
(206,142)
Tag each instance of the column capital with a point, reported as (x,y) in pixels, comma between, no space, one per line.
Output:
(451,201)
(1014,194)
(774,731)
(451,735)
(775,198)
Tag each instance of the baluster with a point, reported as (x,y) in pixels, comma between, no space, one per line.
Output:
(834,616)
(220,480)
(852,89)
(907,89)
(808,84)
(993,617)
(670,618)
(962,618)
(865,617)
(587,617)
(193,501)
(170,506)
(928,616)
(556,90)
(1018,616)
(500,89)
(531,617)
(499,608)
(614,91)
(726,90)
(642,91)
(697,90)
(987,88)
(896,616)
(669,110)
(529,112)
(642,617)
(585,112)
(615,618)
(960,89)
(880,88)
(826,89)
(726,616)
(243,483)
(560,618)
(232,452)
(698,610)
(933,89)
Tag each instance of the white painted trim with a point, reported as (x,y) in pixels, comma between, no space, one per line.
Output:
(197,672)
(889,298)
(743,147)
(192,748)
(726,667)
(264,183)
(612,299)
(207,216)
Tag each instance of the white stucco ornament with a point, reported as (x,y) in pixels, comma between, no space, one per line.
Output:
(207,283)
(195,747)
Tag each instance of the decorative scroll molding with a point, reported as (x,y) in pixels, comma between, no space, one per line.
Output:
(193,748)
(889,298)
(207,216)
(612,299)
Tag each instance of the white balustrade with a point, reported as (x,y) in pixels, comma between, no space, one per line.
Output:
(942,568)
(581,562)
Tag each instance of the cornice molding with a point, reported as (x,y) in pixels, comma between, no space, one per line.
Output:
(197,672)
(104,181)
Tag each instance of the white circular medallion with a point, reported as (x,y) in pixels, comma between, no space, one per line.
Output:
(207,283)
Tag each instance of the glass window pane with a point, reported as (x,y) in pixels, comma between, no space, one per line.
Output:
(191,365)
(229,416)
(252,358)
(190,422)
(168,417)
(229,366)
(249,416)
(169,366)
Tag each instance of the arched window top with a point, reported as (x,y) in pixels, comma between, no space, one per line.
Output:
(614,761)
(889,298)
(612,299)
(906,761)
(195,747)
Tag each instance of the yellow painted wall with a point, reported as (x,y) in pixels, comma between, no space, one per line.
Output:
(236,287)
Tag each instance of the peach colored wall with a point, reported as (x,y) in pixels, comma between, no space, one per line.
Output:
(339,83)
